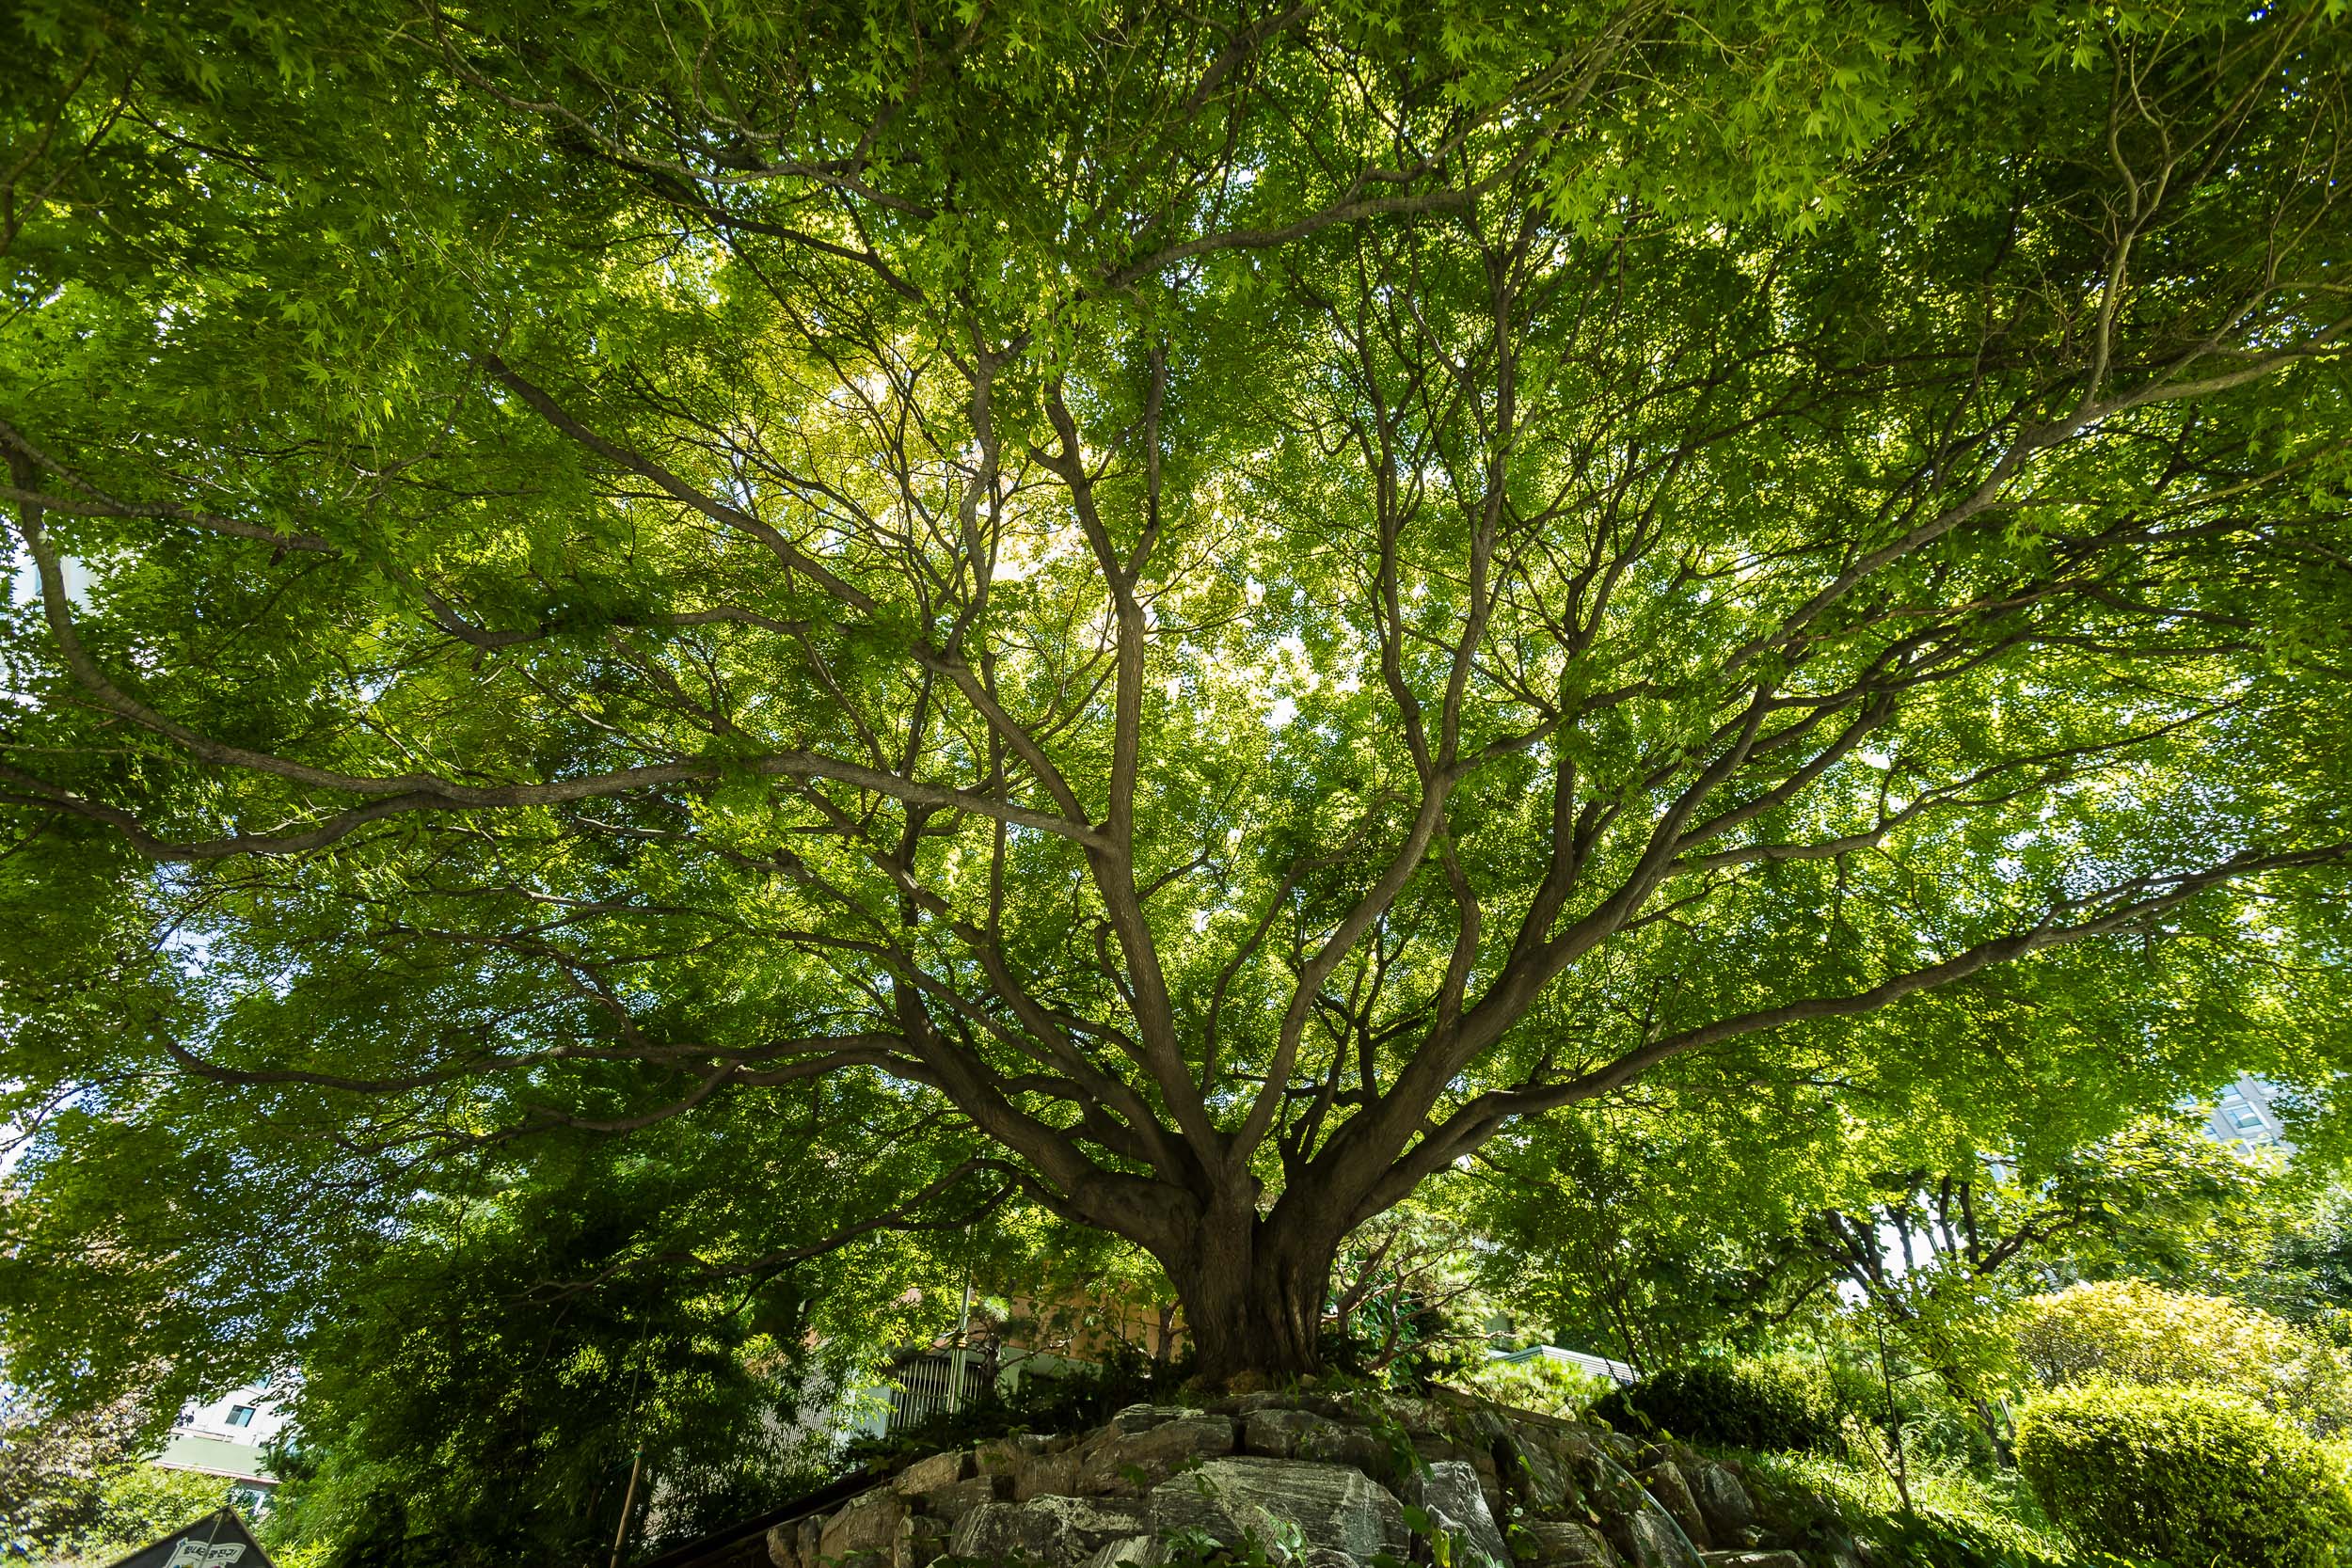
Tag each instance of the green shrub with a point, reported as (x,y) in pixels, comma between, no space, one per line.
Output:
(2191,1476)
(2130,1331)
(1741,1404)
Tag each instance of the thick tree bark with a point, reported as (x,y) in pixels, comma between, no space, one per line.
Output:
(1253,1297)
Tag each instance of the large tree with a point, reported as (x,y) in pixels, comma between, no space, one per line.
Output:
(1233,602)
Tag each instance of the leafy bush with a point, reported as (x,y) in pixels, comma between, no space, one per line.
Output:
(2187,1474)
(2129,1331)
(1743,1404)
(1539,1384)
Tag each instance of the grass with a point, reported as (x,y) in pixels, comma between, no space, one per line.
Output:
(1956,1520)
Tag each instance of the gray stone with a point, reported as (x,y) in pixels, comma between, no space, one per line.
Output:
(1664,1482)
(1450,1493)
(1483,1423)
(1326,1557)
(1329,1406)
(1725,1504)
(1280,1502)
(812,1532)
(1000,1456)
(957,1498)
(1562,1543)
(1437,1447)
(868,1522)
(784,1544)
(1302,1435)
(1538,1478)
(1143,1418)
(1045,1529)
(1648,1538)
(1418,1417)
(1046,1475)
(920,1539)
(930,1475)
(1120,1464)
(1752,1559)
(1135,1551)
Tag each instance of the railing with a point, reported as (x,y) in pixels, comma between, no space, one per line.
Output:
(927,1382)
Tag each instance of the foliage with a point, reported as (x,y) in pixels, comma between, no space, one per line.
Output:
(1764,1406)
(1405,1305)
(1640,1232)
(1713,1222)
(1539,1383)
(138,1504)
(1187,618)
(2130,1331)
(2305,1274)
(1956,1520)
(2184,1475)
(494,1362)
(74,1483)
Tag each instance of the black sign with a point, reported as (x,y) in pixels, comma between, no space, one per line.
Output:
(219,1540)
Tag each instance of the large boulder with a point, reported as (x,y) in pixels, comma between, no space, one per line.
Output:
(1664,1482)
(1128,1460)
(1730,1513)
(1284,1503)
(957,1498)
(1537,1476)
(1752,1559)
(1449,1492)
(1304,1434)
(1046,1530)
(930,1475)
(1562,1543)
(921,1539)
(1649,1538)
(1134,1551)
(865,1529)
(784,1544)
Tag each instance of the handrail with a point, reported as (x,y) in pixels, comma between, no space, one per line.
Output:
(825,1497)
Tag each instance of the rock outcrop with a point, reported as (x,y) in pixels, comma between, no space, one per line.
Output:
(1307,1481)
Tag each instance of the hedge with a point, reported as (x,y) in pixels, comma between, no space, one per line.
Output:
(2189,1476)
(1741,1404)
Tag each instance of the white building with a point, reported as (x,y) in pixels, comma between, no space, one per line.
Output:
(225,1438)
(2247,1113)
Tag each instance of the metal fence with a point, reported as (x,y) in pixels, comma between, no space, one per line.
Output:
(926,1382)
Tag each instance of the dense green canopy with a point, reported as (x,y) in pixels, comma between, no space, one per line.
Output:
(1200,612)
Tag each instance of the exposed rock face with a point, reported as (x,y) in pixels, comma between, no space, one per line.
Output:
(1313,1480)
(1450,1493)
(1724,1503)
(1145,1444)
(1664,1482)
(1046,1530)
(1562,1543)
(1285,1504)
(1305,1435)
(863,1532)
(930,1475)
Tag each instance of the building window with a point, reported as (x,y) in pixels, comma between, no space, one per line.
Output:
(2245,1117)
(240,1415)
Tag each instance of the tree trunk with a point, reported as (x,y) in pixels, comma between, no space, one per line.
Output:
(1253,1304)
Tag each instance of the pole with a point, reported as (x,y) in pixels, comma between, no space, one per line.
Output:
(963,1332)
(629,1502)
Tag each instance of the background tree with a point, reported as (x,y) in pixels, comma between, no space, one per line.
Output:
(1243,603)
